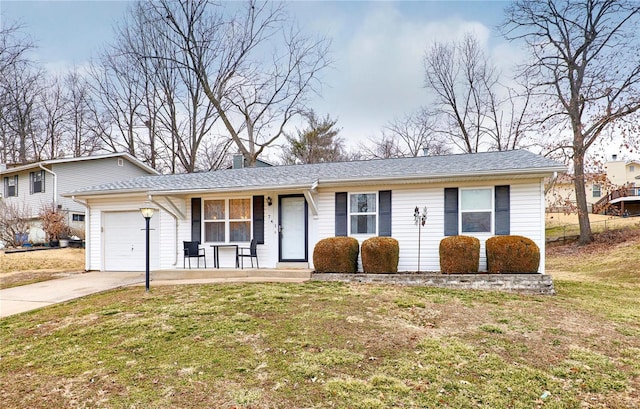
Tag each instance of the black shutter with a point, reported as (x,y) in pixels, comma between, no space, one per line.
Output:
(258,219)
(384,213)
(503,207)
(341,213)
(196,221)
(451,211)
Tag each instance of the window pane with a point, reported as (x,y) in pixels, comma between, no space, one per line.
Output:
(214,231)
(240,231)
(476,199)
(363,203)
(363,224)
(476,222)
(240,209)
(214,209)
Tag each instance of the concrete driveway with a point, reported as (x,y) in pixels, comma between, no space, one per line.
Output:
(33,296)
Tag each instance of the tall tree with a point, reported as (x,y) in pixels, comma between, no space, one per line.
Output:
(585,62)
(182,117)
(317,143)
(410,136)
(253,64)
(474,110)
(82,131)
(54,111)
(19,88)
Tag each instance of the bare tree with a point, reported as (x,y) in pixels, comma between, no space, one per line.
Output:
(82,131)
(13,46)
(474,110)
(54,111)
(585,61)
(21,87)
(411,136)
(115,87)
(254,65)
(14,223)
(317,142)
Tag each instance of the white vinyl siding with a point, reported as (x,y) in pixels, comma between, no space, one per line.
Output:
(526,215)
(526,208)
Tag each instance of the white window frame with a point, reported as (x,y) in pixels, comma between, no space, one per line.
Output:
(227,220)
(78,216)
(596,188)
(374,213)
(491,209)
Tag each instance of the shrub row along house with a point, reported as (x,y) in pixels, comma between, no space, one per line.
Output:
(288,209)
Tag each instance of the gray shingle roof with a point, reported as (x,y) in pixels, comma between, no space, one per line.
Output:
(505,163)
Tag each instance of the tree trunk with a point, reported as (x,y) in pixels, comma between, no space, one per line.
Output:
(581,199)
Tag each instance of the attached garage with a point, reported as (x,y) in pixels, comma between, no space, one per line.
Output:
(124,242)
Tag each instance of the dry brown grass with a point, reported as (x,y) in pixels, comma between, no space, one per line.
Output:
(34,266)
(613,256)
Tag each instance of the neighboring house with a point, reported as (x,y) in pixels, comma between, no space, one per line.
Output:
(40,184)
(561,195)
(616,191)
(623,172)
(288,209)
(624,197)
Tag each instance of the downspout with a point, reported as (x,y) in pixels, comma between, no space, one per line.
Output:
(87,232)
(175,218)
(55,183)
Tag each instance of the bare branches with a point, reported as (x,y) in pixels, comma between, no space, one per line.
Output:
(474,111)
(586,63)
(255,67)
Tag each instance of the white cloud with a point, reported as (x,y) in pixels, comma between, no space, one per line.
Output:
(379,72)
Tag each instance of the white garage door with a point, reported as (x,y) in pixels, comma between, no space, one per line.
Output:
(124,241)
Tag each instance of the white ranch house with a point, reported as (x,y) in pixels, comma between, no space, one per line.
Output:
(288,209)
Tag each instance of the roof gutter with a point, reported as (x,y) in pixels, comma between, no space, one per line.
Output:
(435,178)
(55,182)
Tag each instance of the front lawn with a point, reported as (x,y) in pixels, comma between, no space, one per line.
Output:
(42,265)
(325,345)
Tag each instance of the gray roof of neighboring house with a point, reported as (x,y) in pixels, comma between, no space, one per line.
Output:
(402,169)
(123,155)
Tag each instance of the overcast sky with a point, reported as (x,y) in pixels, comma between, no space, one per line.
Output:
(377,47)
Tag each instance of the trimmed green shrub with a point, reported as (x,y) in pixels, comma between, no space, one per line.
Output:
(512,254)
(336,255)
(380,255)
(459,255)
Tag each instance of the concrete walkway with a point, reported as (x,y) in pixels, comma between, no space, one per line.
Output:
(33,296)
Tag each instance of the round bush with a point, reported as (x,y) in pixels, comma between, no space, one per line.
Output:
(512,254)
(459,255)
(336,255)
(380,255)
